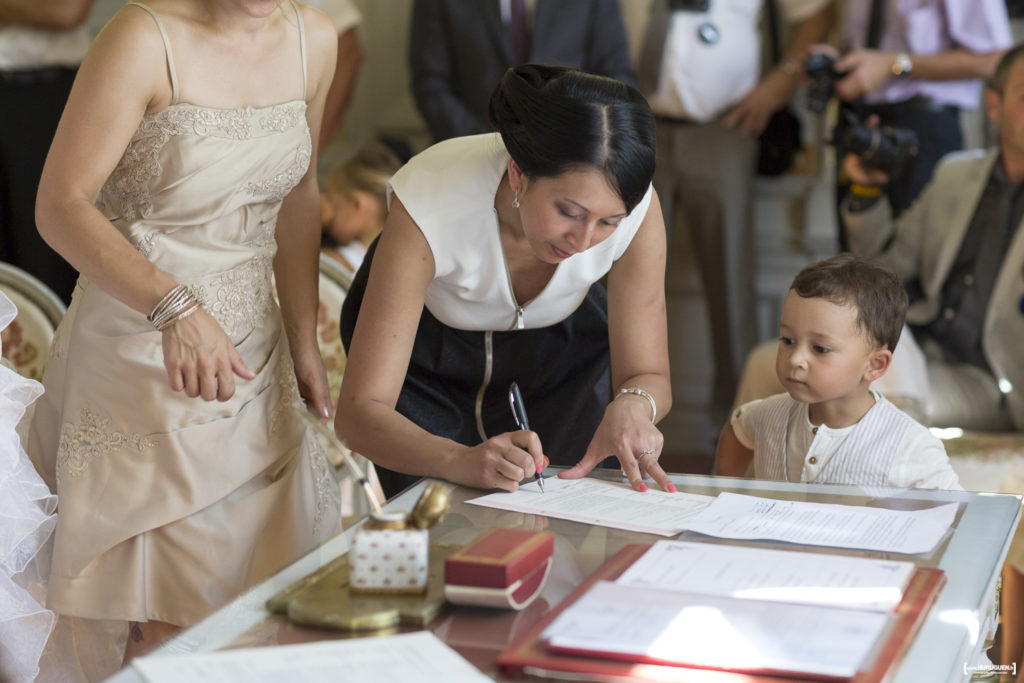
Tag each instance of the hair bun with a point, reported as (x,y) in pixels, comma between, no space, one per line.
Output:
(553,119)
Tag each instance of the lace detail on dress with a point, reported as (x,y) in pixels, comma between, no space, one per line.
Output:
(279,119)
(284,377)
(145,243)
(92,436)
(323,479)
(241,298)
(59,346)
(278,186)
(127,188)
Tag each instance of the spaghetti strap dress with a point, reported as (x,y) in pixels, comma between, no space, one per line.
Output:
(170,505)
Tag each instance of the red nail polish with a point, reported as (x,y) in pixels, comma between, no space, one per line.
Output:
(671,488)
(643,487)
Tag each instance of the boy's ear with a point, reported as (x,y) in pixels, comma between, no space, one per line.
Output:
(878,363)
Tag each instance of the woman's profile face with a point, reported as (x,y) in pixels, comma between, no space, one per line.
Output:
(568,214)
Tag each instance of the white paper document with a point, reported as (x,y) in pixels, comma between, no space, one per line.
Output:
(602,503)
(419,656)
(774,575)
(711,631)
(738,516)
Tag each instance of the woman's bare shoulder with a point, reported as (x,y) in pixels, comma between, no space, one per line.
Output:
(128,52)
(319,26)
(320,32)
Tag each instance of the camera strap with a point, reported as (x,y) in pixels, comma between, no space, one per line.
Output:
(773,29)
(874,37)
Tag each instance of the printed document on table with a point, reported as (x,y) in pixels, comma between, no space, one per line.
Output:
(603,503)
(419,656)
(774,575)
(659,626)
(738,516)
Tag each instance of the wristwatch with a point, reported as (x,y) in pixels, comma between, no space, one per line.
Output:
(902,65)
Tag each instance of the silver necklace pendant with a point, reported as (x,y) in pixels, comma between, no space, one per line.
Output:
(708,33)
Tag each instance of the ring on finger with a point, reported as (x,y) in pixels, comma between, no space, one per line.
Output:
(646,451)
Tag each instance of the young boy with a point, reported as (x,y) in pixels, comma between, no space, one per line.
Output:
(840,323)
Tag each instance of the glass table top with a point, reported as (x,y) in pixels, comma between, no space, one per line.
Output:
(950,639)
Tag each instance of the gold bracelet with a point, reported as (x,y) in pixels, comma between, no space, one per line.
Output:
(640,392)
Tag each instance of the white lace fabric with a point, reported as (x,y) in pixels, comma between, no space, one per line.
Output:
(27,519)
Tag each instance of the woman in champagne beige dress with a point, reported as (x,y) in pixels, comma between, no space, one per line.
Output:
(181,174)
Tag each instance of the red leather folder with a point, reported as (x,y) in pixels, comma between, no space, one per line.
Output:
(530,656)
(503,568)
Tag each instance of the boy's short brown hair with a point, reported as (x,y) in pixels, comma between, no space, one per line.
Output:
(874,290)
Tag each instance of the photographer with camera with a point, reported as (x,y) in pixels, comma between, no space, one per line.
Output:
(700,71)
(962,239)
(887,149)
(916,66)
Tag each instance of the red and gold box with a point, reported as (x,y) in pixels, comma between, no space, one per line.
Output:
(502,568)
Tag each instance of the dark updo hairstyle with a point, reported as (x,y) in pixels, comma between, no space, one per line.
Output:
(556,119)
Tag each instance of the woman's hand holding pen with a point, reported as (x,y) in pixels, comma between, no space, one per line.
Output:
(626,431)
(501,462)
(200,358)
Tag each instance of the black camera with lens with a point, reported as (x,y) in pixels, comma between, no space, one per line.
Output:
(821,72)
(884,148)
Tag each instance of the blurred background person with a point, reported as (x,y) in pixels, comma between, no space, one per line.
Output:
(916,66)
(353,203)
(458,51)
(699,68)
(41,46)
(963,239)
(346,18)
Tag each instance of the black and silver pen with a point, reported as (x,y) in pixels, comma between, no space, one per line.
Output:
(515,400)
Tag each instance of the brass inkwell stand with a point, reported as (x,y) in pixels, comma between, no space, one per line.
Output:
(400,574)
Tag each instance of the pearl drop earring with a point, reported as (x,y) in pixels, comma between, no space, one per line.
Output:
(515,201)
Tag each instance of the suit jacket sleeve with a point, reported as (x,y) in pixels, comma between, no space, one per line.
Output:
(872,233)
(433,74)
(608,52)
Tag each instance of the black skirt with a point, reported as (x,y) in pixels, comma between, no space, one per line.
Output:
(562,371)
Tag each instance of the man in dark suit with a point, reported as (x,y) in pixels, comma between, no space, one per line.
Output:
(458,51)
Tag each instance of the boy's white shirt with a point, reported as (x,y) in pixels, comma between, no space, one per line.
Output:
(921,461)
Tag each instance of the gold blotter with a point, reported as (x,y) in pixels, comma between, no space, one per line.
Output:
(322,599)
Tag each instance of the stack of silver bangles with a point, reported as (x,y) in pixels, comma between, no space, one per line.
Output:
(177,304)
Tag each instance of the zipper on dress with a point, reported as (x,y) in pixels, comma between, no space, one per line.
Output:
(519,317)
(478,408)
(519,324)
(520,309)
